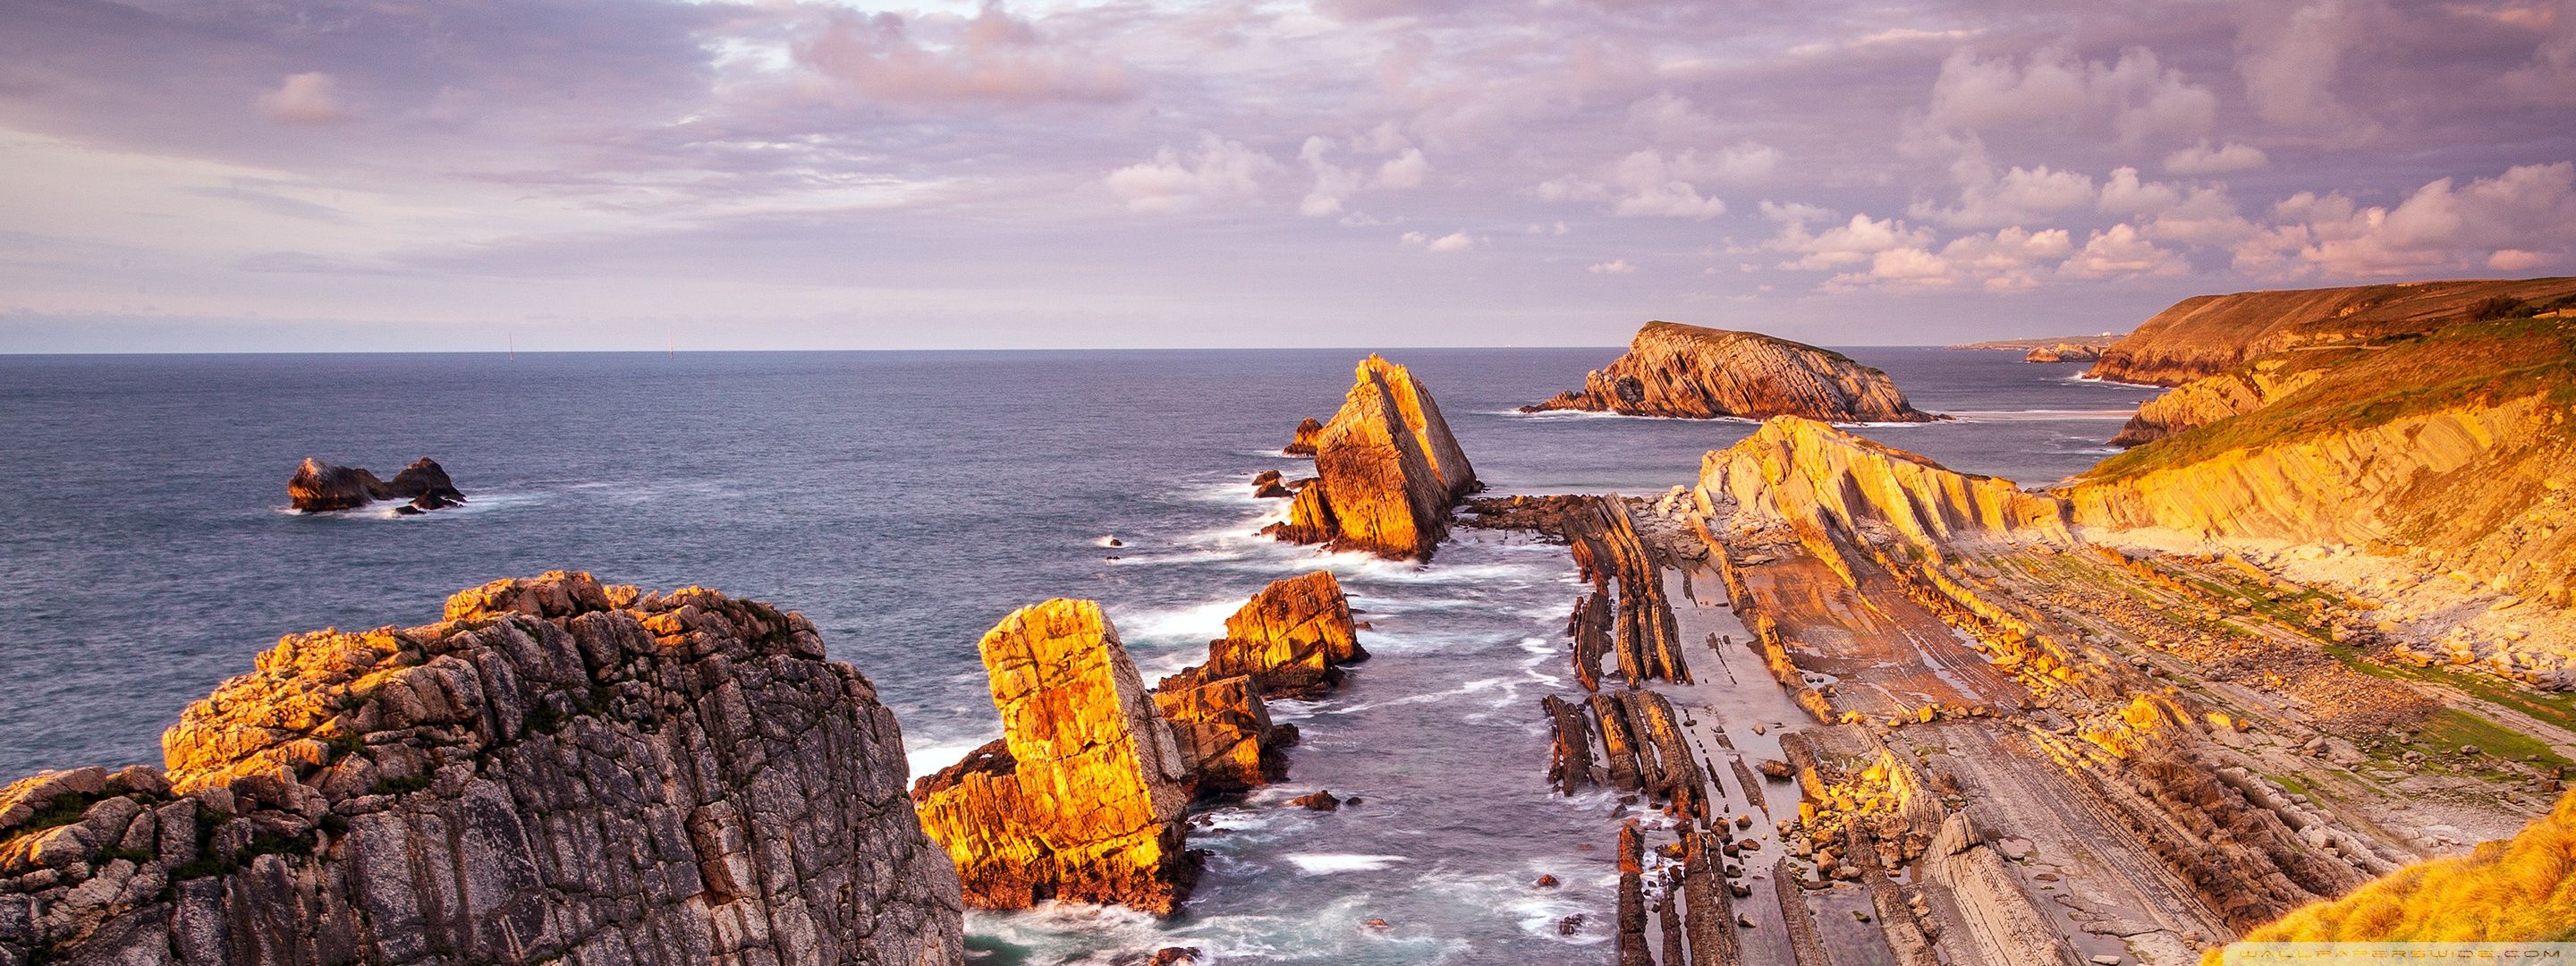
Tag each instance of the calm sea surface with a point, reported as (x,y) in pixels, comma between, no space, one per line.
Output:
(905,502)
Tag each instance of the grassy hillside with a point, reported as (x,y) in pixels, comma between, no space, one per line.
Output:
(2519,890)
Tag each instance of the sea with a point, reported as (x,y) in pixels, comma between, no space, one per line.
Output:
(905,502)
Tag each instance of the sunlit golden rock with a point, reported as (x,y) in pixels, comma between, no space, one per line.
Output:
(1690,372)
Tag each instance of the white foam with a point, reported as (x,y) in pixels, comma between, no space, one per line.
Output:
(1327,863)
(926,759)
(2041,415)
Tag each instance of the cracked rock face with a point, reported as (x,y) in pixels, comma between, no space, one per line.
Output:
(560,772)
(1388,471)
(1689,372)
(1082,798)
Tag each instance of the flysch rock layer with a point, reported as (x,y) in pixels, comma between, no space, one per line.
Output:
(1836,491)
(1289,640)
(2209,399)
(559,772)
(2209,334)
(1082,797)
(1690,372)
(1388,471)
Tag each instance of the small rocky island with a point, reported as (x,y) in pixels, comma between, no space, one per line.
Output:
(1689,372)
(319,487)
(1387,470)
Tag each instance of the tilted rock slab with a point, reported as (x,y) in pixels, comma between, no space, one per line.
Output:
(560,772)
(1689,372)
(1290,640)
(1833,489)
(1083,798)
(1388,471)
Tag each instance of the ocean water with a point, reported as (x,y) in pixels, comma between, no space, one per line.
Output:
(905,502)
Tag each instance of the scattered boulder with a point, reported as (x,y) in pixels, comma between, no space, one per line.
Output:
(1309,433)
(1320,800)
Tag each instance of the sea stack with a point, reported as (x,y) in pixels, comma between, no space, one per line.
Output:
(1689,372)
(319,487)
(1388,471)
(559,772)
(1081,799)
(1289,640)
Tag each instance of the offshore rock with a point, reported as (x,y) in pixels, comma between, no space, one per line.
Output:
(2063,352)
(1082,801)
(560,772)
(1387,471)
(1690,372)
(2209,334)
(1309,432)
(1293,637)
(319,487)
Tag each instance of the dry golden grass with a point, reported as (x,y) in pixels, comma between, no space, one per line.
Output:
(2523,889)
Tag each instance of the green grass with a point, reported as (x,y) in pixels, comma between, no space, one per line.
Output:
(2556,708)
(2379,382)
(2446,730)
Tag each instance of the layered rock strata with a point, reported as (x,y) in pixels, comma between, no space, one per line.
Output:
(2062,352)
(1838,492)
(1290,640)
(558,772)
(319,487)
(1689,372)
(1388,471)
(2209,334)
(1082,797)
(2518,890)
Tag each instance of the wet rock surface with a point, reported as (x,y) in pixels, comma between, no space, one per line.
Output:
(319,487)
(559,772)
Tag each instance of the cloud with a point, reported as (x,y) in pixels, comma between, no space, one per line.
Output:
(307,98)
(1335,184)
(1456,241)
(1669,118)
(2203,159)
(2122,250)
(991,57)
(1651,183)
(2018,195)
(1218,171)
(1849,243)
(2520,220)
(2291,66)
(2549,79)
(2004,260)
(1614,267)
(2140,97)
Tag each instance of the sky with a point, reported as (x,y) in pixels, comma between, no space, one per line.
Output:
(282,175)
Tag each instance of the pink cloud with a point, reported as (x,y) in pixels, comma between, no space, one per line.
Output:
(991,57)
(306,98)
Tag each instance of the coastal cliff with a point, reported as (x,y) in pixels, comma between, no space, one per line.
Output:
(2453,448)
(1081,798)
(559,772)
(2209,399)
(1689,372)
(1387,471)
(2209,334)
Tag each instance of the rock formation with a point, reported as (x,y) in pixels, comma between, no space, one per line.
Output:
(1689,372)
(1290,640)
(2209,399)
(2062,352)
(2209,334)
(1309,432)
(319,487)
(1388,471)
(559,772)
(1082,797)
(1836,490)
(1293,637)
